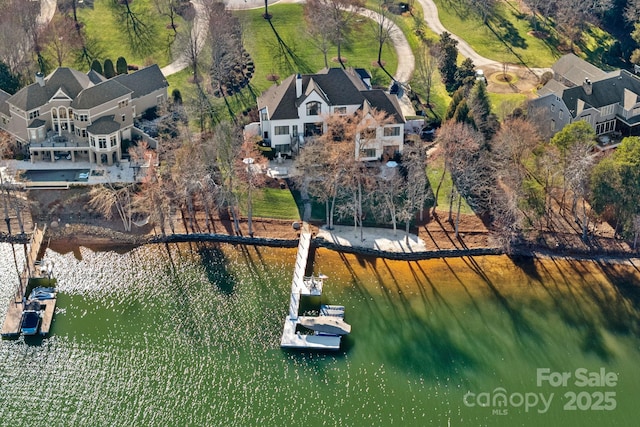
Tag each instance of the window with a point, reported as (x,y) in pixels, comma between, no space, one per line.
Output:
(34,114)
(340,110)
(281,130)
(607,110)
(263,116)
(553,108)
(392,131)
(553,125)
(367,152)
(102,142)
(560,114)
(92,141)
(114,140)
(123,103)
(312,129)
(368,133)
(283,148)
(294,130)
(313,108)
(124,117)
(83,117)
(83,133)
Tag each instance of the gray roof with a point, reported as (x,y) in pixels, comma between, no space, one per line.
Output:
(96,77)
(36,123)
(71,81)
(4,107)
(382,101)
(604,92)
(552,87)
(144,81)
(99,94)
(337,86)
(104,126)
(576,70)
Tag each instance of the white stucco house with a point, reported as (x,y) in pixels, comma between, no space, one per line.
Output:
(296,109)
(70,114)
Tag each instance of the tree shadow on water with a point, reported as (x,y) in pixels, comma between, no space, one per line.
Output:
(215,262)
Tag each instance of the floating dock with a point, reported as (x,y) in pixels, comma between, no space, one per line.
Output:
(302,285)
(13,320)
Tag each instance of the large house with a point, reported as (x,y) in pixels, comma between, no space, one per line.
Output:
(296,110)
(608,101)
(80,116)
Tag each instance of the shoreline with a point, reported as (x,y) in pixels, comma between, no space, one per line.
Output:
(104,239)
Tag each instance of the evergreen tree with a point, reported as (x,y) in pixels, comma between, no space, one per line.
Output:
(465,74)
(109,70)
(447,57)
(97,66)
(121,66)
(177,97)
(458,96)
(480,110)
(8,82)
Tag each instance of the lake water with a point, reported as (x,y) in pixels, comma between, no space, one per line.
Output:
(189,335)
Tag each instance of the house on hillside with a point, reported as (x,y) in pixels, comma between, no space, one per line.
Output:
(608,101)
(78,116)
(296,110)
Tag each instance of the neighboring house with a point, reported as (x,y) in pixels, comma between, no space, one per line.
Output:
(296,110)
(80,116)
(609,102)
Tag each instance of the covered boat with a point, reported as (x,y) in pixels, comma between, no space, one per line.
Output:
(31,316)
(326,325)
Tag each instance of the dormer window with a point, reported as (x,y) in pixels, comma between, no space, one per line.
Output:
(313,108)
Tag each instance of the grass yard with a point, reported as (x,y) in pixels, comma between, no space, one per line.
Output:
(502,104)
(102,26)
(288,21)
(435,167)
(273,203)
(510,41)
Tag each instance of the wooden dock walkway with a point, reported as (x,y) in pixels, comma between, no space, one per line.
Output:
(13,319)
(307,286)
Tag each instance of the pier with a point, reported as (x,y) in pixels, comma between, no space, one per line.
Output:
(302,285)
(32,270)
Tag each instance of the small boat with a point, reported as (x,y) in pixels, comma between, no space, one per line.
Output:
(328,325)
(31,317)
(42,293)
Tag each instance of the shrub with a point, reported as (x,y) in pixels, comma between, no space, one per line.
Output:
(97,66)
(109,70)
(121,66)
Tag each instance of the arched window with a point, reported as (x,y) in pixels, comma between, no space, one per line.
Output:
(313,108)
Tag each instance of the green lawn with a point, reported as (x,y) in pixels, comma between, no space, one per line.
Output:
(506,38)
(434,172)
(274,203)
(288,21)
(101,25)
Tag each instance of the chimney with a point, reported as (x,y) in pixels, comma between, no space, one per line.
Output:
(40,78)
(298,85)
(587,86)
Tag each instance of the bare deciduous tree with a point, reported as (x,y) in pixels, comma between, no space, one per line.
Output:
(108,197)
(340,15)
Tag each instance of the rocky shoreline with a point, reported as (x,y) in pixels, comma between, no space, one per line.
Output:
(104,238)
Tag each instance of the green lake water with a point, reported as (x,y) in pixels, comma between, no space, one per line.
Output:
(188,335)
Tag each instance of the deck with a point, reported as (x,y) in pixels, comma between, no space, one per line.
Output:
(307,286)
(13,319)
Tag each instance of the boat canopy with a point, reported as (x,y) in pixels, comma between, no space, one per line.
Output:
(326,324)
